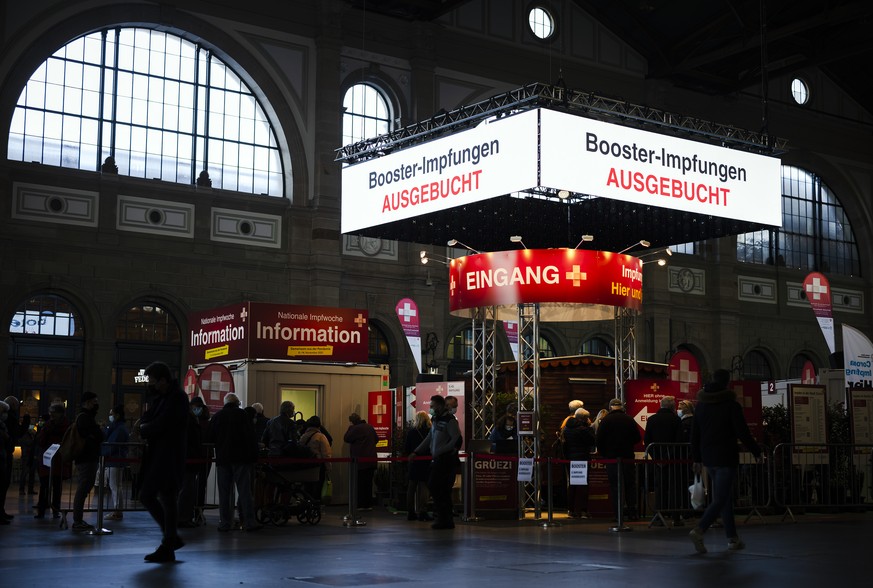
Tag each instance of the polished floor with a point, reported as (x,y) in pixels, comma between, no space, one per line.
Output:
(816,550)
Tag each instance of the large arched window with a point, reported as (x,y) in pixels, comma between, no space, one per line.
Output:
(366,113)
(815,234)
(160,106)
(46,314)
(756,366)
(596,346)
(379,351)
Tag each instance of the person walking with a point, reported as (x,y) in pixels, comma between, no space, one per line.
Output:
(362,440)
(718,424)
(87,461)
(162,427)
(28,465)
(442,444)
(236,451)
(616,437)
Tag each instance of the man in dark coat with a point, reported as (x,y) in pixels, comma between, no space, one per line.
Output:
(87,460)
(718,424)
(579,442)
(236,451)
(362,440)
(664,430)
(163,428)
(616,437)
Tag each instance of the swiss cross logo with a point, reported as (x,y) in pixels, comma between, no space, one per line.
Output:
(815,289)
(576,275)
(452,286)
(216,385)
(406,312)
(360,320)
(685,376)
(380,409)
(243,314)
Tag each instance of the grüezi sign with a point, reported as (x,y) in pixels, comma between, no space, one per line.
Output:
(257,330)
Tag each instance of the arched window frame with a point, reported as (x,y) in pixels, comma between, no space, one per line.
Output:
(816,232)
(48,315)
(148,322)
(151,104)
(368,111)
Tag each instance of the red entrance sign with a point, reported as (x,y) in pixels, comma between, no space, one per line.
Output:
(379,416)
(562,276)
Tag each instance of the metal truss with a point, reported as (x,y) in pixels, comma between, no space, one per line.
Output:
(625,349)
(528,400)
(558,97)
(484,371)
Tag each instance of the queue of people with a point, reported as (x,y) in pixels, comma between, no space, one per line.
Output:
(175,429)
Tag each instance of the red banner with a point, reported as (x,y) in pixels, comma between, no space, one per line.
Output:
(379,416)
(257,330)
(643,399)
(685,370)
(818,292)
(215,383)
(545,275)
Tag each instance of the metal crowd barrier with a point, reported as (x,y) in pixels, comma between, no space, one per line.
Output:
(814,476)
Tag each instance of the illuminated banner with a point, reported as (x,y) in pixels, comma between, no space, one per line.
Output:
(511,330)
(407,313)
(574,276)
(818,292)
(642,399)
(592,157)
(546,148)
(493,159)
(424,390)
(256,330)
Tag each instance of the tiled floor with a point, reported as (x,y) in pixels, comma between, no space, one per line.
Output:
(818,550)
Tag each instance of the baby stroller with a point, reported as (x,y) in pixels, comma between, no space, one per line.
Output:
(283,495)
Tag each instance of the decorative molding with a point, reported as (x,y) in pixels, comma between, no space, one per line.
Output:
(757,290)
(52,204)
(842,299)
(370,247)
(686,280)
(246,228)
(156,217)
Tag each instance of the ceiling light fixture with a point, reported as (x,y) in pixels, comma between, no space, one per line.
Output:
(517,239)
(641,242)
(453,242)
(584,239)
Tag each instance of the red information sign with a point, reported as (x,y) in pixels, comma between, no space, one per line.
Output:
(643,399)
(256,330)
(379,416)
(215,383)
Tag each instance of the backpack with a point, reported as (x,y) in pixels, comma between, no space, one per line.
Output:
(72,444)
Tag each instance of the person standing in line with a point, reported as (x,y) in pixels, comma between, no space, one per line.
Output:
(578,445)
(193,465)
(26,441)
(117,438)
(163,428)
(5,455)
(260,420)
(315,440)
(419,470)
(280,431)
(13,430)
(442,443)
(201,413)
(616,437)
(718,424)
(362,440)
(236,451)
(51,479)
(662,436)
(87,462)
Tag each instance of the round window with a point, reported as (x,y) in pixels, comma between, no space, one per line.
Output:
(541,22)
(799,91)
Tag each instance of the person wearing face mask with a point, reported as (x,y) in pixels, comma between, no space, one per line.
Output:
(362,440)
(114,453)
(442,440)
(504,436)
(87,461)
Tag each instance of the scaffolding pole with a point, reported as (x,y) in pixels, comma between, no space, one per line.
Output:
(484,371)
(528,400)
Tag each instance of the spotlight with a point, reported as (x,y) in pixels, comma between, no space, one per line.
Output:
(453,242)
(563,194)
(584,239)
(422,254)
(517,239)
(641,242)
